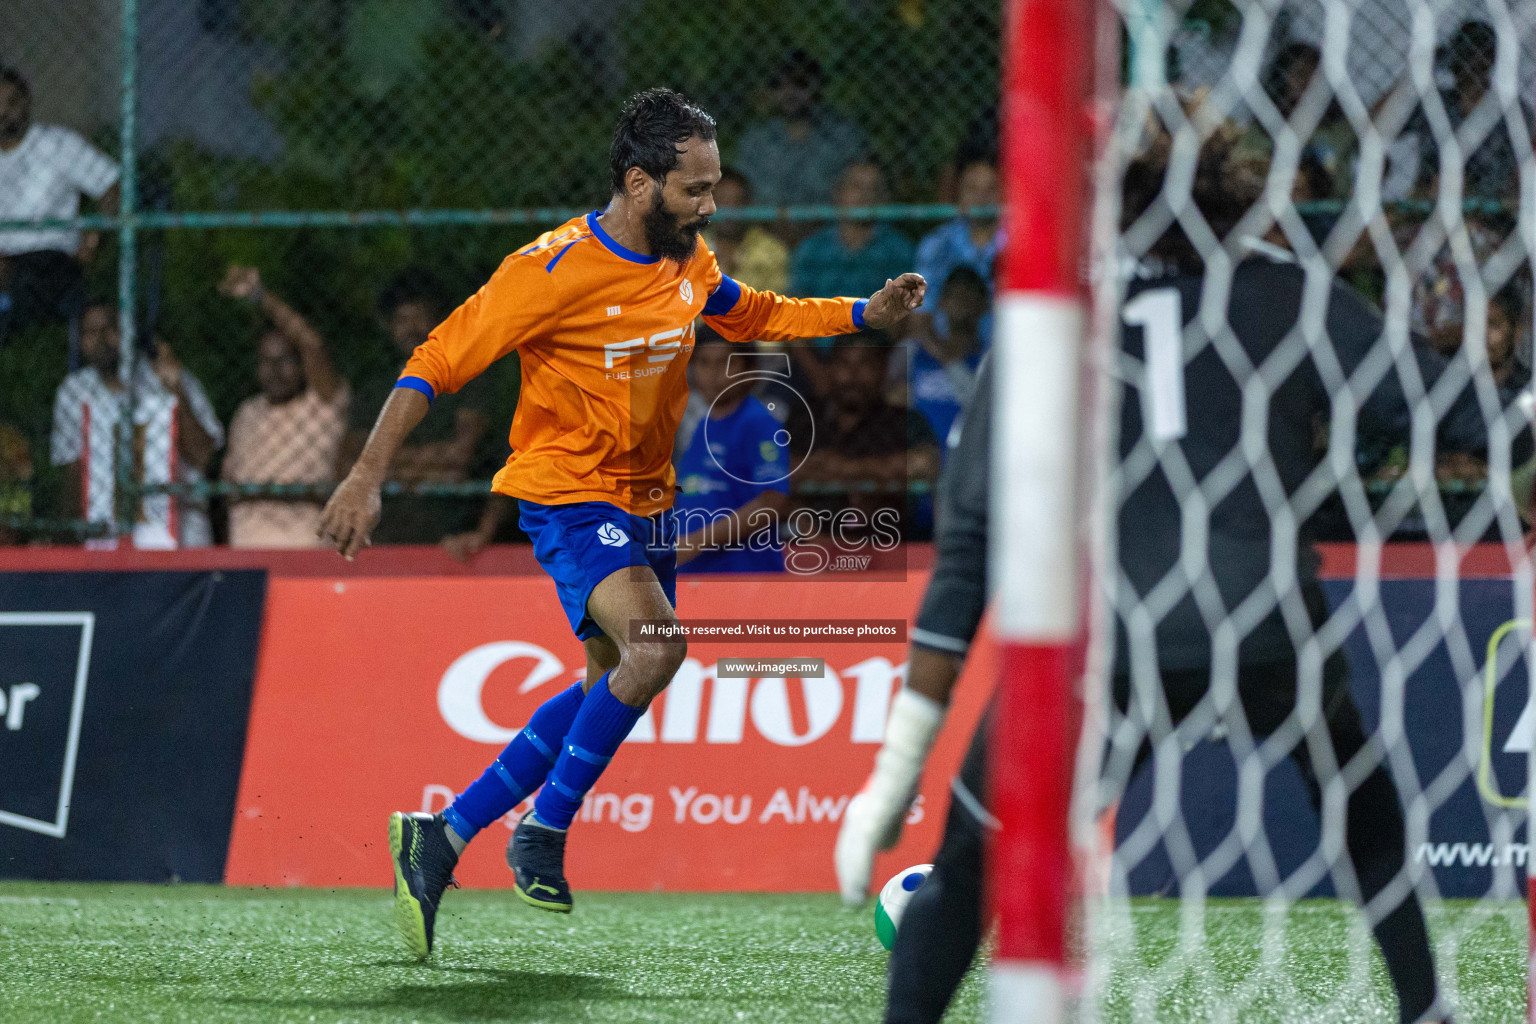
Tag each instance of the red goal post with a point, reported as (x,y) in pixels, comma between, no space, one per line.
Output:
(1044,438)
(1036,557)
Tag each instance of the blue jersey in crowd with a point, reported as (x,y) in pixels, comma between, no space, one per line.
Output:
(941,251)
(932,393)
(729,462)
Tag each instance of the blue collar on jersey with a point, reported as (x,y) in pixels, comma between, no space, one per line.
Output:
(615,247)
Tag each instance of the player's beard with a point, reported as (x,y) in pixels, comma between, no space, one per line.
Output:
(667,236)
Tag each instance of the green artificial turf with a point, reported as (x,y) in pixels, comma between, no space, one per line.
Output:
(200,954)
(1314,962)
(205,954)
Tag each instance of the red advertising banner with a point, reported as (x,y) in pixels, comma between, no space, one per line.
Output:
(383,694)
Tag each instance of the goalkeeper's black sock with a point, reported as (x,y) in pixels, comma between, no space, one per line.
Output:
(941,928)
(1376,839)
(1404,945)
(1376,848)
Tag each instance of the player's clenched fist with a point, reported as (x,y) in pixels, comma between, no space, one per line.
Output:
(351,515)
(891,304)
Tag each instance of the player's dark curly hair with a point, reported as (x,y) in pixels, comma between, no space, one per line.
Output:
(1229,178)
(654,123)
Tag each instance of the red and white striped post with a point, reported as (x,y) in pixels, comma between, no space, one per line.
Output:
(1035,556)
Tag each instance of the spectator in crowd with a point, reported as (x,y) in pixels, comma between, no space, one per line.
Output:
(1439,301)
(1289,74)
(796,156)
(446,446)
(1506,311)
(15,482)
(941,371)
(1506,319)
(852,257)
(1328,158)
(44,169)
(733,480)
(860,438)
(971,239)
(174,434)
(288,434)
(1492,169)
(1439,314)
(747,253)
(979,144)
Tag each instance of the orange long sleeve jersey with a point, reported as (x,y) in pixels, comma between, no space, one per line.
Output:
(604,335)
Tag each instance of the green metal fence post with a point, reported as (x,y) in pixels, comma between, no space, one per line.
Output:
(126,267)
(1149,71)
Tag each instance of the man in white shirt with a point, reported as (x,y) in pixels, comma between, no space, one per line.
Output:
(44,170)
(174,433)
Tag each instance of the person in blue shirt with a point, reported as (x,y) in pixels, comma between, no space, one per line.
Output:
(941,373)
(971,239)
(846,258)
(733,480)
(850,256)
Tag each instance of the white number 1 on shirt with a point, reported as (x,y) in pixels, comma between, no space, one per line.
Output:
(1159,313)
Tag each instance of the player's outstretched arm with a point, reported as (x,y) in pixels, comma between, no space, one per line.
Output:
(742,313)
(354,508)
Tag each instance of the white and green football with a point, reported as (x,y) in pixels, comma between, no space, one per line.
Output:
(894,899)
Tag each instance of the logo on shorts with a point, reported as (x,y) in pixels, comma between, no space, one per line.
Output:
(686,291)
(612,536)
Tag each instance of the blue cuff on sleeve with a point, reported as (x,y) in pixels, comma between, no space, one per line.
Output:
(417,384)
(858,314)
(724,298)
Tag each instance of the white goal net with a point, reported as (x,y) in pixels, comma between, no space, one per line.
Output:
(1305,766)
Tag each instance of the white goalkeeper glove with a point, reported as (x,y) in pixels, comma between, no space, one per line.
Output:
(873,818)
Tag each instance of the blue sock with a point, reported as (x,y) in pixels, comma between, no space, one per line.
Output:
(600,726)
(519,770)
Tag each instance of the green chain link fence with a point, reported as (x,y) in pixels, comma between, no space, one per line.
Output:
(334,144)
(358,153)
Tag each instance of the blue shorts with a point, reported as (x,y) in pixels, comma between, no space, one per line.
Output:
(582,544)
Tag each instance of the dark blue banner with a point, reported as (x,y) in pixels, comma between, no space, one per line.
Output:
(1454,734)
(123,706)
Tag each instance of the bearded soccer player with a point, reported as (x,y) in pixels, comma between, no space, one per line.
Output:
(601,311)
